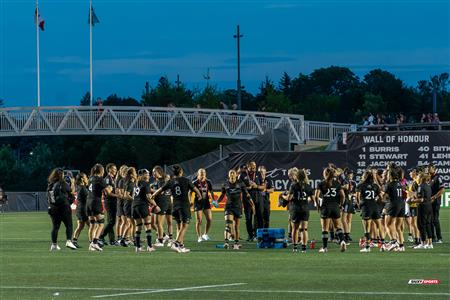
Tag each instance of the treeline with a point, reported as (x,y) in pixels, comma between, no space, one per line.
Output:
(25,163)
(327,94)
(332,94)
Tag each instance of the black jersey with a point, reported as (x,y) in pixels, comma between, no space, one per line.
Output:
(436,184)
(82,193)
(234,192)
(204,187)
(424,191)
(243,177)
(96,186)
(129,187)
(180,187)
(300,193)
(330,194)
(394,190)
(140,192)
(369,192)
(165,195)
(58,193)
(120,184)
(268,185)
(110,181)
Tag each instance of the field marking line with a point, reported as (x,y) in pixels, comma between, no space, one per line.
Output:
(73,288)
(169,290)
(328,292)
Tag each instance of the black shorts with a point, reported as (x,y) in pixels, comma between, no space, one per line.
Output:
(140,211)
(182,215)
(127,208)
(202,204)
(370,211)
(395,210)
(349,208)
(164,205)
(120,204)
(412,212)
(82,214)
(94,208)
(170,209)
(298,215)
(233,211)
(330,211)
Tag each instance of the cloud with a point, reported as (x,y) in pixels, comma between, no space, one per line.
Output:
(67,60)
(261,59)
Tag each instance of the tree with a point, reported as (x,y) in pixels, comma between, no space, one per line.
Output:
(12,172)
(114,100)
(166,94)
(333,80)
(390,88)
(86,99)
(285,84)
(209,97)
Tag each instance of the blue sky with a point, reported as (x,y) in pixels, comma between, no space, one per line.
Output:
(141,40)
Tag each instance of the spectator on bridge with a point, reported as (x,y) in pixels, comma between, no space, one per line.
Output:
(223,106)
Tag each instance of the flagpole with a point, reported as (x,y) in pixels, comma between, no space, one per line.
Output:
(90,48)
(37,54)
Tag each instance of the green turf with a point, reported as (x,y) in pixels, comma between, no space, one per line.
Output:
(29,271)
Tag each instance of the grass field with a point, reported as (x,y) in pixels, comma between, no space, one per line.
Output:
(29,271)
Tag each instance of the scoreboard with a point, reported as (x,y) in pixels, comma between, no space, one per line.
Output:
(407,149)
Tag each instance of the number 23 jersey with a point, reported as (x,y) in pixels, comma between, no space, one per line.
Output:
(330,194)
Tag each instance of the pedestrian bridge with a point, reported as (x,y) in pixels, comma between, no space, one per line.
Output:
(160,121)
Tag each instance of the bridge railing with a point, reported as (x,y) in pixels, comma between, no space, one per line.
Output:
(146,120)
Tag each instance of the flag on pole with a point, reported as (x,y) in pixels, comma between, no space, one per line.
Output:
(94,17)
(38,20)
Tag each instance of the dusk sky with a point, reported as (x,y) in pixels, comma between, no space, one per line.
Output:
(141,40)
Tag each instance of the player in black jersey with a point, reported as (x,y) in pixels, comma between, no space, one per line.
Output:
(248,211)
(300,193)
(110,205)
(348,209)
(367,196)
(202,205)
(425,211)
(59,193)
(332,199)
(122,225)
(395,209)
(265,190)
(180,187)
(236,192)
(82,218)
(128,189)
(411,214)
(97,186)
(163,201)
(437,189)
(140,210)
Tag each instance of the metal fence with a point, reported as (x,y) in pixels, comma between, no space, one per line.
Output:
(165,121)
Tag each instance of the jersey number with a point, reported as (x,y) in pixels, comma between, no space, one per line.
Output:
(370,195)
(90,187)
(178,190)
(331,192)
(399,192)
(136,191)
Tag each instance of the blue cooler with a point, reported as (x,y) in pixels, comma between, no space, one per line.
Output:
(270,238)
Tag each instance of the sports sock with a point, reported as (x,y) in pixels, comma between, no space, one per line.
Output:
(148,233)
(95,241)
(137,240)
(325,238)
(340,235)
(303,247)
